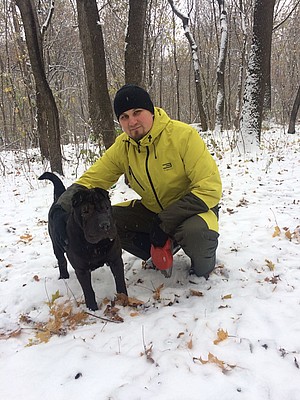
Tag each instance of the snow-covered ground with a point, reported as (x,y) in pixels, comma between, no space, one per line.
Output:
(235,336)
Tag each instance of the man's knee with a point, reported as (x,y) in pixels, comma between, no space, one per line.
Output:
(199,243)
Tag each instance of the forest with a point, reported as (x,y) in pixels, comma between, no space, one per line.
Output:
(224,65)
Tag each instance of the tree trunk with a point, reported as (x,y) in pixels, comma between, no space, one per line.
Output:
(257,75)
(221,68)
(294,113)
(48,105)
(196,64)
(240,80)
(134,42)
(92,43)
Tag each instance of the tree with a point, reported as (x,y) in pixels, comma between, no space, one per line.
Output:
(221,67)
(294,112)
(134,42)
(92,43)
(48,118)
(196,65)
(257,74)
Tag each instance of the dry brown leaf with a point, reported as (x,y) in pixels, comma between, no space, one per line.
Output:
(222,335)
(214,360)
(270,265)
(288,234)
(10,333)
(180,334)
(227,296)
(277,231)
(26,238)
(156,292)
(36,278)
(112,313)
(190,344)
(134,314)
(123,300)
(196,293)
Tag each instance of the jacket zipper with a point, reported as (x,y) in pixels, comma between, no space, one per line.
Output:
(150,180)
(132,174)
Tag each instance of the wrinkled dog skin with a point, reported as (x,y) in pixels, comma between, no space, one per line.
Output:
(92,240)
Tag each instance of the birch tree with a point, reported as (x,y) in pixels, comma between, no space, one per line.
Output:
(257,74)
(196,64)
(221,68)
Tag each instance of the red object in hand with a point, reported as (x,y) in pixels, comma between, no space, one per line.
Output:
(162,257)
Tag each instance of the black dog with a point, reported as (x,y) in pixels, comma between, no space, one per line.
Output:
(92,238)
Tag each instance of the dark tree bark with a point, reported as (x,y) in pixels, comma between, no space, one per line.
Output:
(92,43)
(221,68)
(196,64)
(134,50)
(46,104)
(294,112)
(258,73)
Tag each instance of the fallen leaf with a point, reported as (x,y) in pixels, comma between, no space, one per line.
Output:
(190,344)
(36,278)
(227,296)
(124,300)
(196,293)
(26,238)
(222,335)
(10,333)
(156,292)
(214,360)
(277,231)
(288,234)
(270,265)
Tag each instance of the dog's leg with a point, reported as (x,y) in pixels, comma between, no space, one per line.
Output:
(62,262)
(117,269)
(84,278)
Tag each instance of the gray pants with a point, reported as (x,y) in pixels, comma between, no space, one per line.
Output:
(200,243)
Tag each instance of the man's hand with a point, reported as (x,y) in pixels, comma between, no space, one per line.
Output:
(157,236)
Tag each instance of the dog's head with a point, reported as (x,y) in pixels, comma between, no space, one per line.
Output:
(93,213)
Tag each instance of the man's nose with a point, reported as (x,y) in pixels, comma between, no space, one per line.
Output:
(132,120)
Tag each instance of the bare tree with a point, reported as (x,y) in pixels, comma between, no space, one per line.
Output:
(92,43)
(194,49)
(48,119)
(257,74)
(221,67)
(294,112)
(134,50)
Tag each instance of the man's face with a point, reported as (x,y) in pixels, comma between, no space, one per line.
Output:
(136,122)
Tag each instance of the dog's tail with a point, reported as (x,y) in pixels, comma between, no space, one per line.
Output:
(59,187)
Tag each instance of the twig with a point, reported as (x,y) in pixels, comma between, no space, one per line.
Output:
(102,318)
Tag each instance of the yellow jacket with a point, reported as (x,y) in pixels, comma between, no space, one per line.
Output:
(169,166)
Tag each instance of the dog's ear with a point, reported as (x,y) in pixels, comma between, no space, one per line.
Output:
(79,197)
(102,193)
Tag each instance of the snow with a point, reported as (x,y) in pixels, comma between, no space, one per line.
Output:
(159,351)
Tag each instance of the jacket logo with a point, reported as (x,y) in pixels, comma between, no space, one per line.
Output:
(167,165)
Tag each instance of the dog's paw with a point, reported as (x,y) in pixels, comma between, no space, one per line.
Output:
(65,275)
(92,307)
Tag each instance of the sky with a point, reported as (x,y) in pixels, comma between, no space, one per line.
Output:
(235,336)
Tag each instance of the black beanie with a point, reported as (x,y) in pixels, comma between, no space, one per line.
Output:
(132,96)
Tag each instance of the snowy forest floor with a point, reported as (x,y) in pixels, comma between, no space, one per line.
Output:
(232,337)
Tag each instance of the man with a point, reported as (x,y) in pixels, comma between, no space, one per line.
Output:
(168,165)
